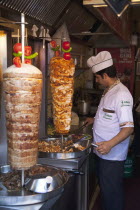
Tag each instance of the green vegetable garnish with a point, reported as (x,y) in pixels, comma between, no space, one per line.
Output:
(69,50)
(31,56)
(19,54)
(56,48)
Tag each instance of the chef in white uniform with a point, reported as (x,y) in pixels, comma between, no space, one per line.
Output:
(112,127)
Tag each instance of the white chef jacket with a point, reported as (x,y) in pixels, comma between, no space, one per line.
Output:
(114,112)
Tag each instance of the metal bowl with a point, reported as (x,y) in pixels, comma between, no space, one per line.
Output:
(5,169)
(27,197)
(53,180)
(85,141)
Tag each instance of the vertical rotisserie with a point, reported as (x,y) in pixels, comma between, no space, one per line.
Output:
(62,81)
(23,92)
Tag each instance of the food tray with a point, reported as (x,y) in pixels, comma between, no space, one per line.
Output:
(24,196)
(85,142)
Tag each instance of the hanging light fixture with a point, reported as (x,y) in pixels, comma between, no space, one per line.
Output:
(135,2)
(95,3)
(99,3)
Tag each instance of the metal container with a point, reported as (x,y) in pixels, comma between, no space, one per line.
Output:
(5,169)
(86,143)
(83,107)
(26,196)
(52,181)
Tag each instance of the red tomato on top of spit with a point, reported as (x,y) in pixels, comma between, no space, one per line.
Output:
(17,61)
(66,45)
(28,50)
(28,61)
(17,47)
(53,44)
(67,56)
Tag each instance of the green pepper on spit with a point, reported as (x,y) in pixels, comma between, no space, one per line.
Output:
(19,54)
(31,56)
(69,50)
(56,48)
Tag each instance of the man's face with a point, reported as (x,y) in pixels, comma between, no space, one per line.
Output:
(100,80)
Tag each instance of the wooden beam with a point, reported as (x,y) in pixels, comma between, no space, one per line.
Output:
(121,26)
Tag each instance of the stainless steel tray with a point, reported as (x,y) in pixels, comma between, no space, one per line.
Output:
(62,155)
(26,197)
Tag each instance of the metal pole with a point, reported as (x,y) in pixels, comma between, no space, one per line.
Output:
(22,177)
(23,44)
(62,141)
(22,34)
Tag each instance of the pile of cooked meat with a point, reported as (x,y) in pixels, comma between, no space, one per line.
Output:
(62,81)
(12,180)
(23,93)
(45,146)
(55,145)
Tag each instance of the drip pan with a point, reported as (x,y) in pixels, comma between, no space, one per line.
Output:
(47,182)
(55,180)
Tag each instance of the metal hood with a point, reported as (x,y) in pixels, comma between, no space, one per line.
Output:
(53,13)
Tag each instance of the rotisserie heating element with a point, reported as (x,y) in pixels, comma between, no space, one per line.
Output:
(23,93)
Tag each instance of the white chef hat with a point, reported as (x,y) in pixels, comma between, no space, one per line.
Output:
(101,61)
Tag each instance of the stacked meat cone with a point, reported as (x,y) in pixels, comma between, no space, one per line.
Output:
(62,81)
(23,92)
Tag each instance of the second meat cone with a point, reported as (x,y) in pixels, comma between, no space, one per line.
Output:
(62,82)
(23,93)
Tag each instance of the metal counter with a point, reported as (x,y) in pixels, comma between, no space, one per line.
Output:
(78,170)
(40,206)
(76,191)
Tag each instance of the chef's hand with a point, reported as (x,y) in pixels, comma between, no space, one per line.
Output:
(104,147)
(89,121)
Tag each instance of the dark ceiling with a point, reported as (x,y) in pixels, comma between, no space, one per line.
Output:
(78,18)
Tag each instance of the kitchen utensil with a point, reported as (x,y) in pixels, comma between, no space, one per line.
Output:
(94,145)
(75,145)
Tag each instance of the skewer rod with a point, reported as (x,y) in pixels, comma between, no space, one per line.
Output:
(23,34)
(18,35)
(62,141)
(22,177)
